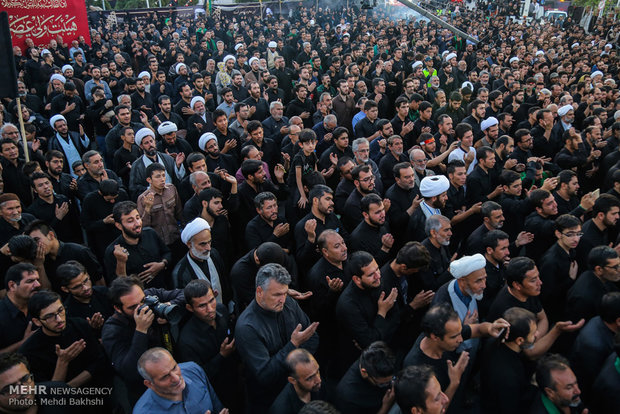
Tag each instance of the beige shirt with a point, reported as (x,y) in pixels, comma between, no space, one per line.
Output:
(165,213)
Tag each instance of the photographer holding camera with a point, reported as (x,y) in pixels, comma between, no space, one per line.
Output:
(142,320)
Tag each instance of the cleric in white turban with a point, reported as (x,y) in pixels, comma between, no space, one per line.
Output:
(201,261)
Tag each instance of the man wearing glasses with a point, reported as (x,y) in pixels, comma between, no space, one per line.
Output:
(17,388)
(62,349)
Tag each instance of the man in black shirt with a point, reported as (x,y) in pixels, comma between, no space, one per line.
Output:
(364,387)
(57,252)
(56,210)
(256,183)
(492,219)
(267,226)
(417,387)
(605,396)
(364,311)
(482,182)
(558,387)
(300,106)
(96,217)
(600,229)
(63,349)
(390,159)
(584,297)
(367,126)
(321,217)
(21,282)
(263,353)
(497,253)
(304,383)
(364,182)
(566,195)
(372,234)
(63,183)
(259,108)
(404,200)
(509,394)
(130,331)
(540,223)
(84,300)
(206,340)
(136,251)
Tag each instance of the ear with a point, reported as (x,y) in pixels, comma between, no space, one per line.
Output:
(189,308)
(64,289)
(118,226)
(147,383)
(291,380)
(36,321)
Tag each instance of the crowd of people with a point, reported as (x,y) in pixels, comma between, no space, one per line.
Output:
(331,211)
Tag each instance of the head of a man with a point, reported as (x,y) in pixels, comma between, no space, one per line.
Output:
(303,371)
(523,328)
(16,383)
(200,299)
(377,365)
(557,381)
(127,219)
(48,312)
(272,281)
(21,281)
(418,391)
(605,263)
(364,270)
(523,278)
(442,327)
(162,374)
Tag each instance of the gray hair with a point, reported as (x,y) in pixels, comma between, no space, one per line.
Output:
(87,155)
(293,118)
(330,119)
(274,104)
(120,97)
(272,271)
(194,176)
(414,152)
(150,355)
(435,222)
(357,142)
(5,126)
(324,95)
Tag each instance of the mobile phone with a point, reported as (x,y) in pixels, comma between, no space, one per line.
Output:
(596,193)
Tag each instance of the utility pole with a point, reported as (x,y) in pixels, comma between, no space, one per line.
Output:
(437,20)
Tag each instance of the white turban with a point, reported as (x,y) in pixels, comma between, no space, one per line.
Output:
(272,44)
(565,109)
(489,122)
(193,228)
(45,52)
(596,73)
(238,45)
(467,265)
(204,140)
(252,60)
(416,64)
(450,56)
(196,99)
(167,127)
(178,67)
(513,59)
(434,185)
(58,77)
(540,53)
(467,84)
(229,57)
(574,45)
(143,74)
(141,134)
(66,67)
(56,118)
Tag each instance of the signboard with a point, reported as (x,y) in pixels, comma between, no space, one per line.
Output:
(44,20)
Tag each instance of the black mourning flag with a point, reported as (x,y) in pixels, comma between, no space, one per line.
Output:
(8,73)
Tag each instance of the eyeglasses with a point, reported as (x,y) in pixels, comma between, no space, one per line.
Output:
(52,316)
(424,161)
(81,285)
(573,234)
(616,267)
(367,179)
(7,390)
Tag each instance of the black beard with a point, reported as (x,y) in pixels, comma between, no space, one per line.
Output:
(151,152)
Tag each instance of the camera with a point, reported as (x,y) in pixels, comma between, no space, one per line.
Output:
(171,313)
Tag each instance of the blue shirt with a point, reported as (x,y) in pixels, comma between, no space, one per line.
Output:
(198,396)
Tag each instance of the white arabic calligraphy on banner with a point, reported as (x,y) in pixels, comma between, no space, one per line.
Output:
(30,4)
(39,26)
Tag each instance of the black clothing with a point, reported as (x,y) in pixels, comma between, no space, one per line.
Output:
(554,269)
(113,138)
(296,108)
(15,181)
(386,165)
(438,272)
(592,237)
(593,344)
(503,393)
(7,230)
(262,108)
(200,342)
(401,200)
(307,252)
(365,128)
(357,395)
(368,238)
(87,184)
(40,349)
(243,279)
(504,301)
(416,356)
(356,312)
(289,403)
(479,185)
(13,323)
(263,340)
(72,251)
(543,230)
(515,211)
(122,161)
(258,231)
(584,298)
(568,207)
(495,282)
(98,233)
(605,395)
(247,210)
(474,243)
(124,345)
(66,229)
(183,273)
(150,248)
(99,302)
(343,190)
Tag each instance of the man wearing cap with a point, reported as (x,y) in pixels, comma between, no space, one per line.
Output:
(490,129)
(96,81)
(566,115)
(200,122)
(434,190)
(202,261)
(272,55)
(72,144)
(12,220)
(171,144)
(175,171)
